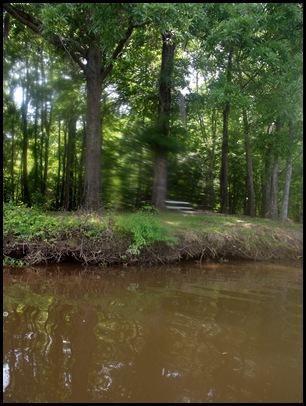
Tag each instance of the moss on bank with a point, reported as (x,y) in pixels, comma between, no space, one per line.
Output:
(143,238)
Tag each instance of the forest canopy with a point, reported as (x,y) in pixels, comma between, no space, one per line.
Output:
(122,105)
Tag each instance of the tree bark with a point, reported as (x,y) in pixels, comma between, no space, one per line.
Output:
(58,178)
(164,107)
(47,127)
(92,186)
(224,161)
(273,212)
(285,203)
(267,174)
(69,164)
(250,207)
(24,112)
(212,160)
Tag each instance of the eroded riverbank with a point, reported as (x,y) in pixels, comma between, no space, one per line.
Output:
(147,239)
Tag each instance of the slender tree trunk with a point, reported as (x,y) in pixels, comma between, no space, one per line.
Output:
(266,177)
(47,127)
(81,166)
(12,194)
(160,166)
(250,203)
(273,213)
(285,203)
(70,162)
(64,166)
(212,160)
(92,178)
(24,111)
(224,160)
(36,128)
(250,207)
(224,163)
(58,179)
(35,151)
(183,109)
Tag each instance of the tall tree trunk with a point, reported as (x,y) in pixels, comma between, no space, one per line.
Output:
(92,178)
(35,150)
(266,177)
(273,212)
(183,109)
(160,166)
(47,128)
(58,179)
(64,166)
(250,203)
(250,207)
(224,160)
(69,164)
(285,203)
(12,191)
(212,160)
(81,168)
(24,112)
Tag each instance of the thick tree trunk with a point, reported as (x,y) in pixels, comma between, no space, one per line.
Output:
(160,167)
(160,180)
(95,72)
(285,203)
(92,178)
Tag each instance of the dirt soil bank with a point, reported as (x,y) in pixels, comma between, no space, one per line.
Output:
(283,245)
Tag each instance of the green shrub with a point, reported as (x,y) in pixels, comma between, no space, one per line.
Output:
(145,230)
(27,224)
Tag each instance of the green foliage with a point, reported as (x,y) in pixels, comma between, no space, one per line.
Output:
(265,80)
(155,138)
(145,229)
(14,262)
(28,224)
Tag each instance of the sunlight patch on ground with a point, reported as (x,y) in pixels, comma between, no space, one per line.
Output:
(247,225)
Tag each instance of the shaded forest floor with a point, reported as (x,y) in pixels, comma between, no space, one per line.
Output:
(123,239)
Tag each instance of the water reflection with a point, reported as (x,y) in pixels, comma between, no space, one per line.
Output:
(194,333)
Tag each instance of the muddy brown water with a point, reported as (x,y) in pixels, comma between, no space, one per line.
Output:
(200,333)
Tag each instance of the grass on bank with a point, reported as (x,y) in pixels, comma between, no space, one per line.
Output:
(142,229)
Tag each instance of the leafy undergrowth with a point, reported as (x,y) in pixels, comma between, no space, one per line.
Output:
(33,237)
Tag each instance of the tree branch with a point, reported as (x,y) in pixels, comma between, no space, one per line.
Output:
(121,44)
(36,26)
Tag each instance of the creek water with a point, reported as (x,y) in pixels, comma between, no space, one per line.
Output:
(188,333)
